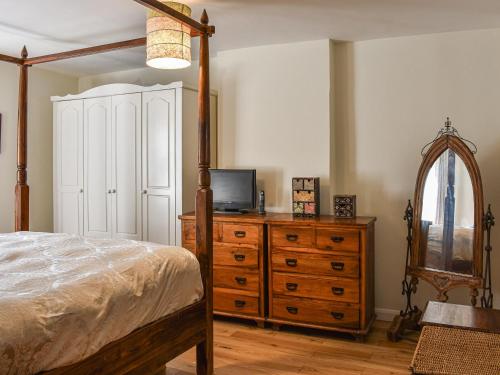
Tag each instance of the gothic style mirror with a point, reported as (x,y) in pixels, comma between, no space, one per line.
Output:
(446,227)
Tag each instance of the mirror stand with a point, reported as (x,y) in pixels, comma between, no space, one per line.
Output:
(448,231)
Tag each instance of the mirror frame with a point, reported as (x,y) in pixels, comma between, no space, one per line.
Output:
(443,281)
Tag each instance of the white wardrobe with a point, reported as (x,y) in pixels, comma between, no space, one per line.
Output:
(125,161)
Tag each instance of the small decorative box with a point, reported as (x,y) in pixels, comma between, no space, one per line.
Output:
(305,196)
(345,206)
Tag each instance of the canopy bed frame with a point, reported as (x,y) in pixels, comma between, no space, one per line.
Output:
(147,349)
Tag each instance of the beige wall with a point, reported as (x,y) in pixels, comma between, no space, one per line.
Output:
(392,96)
(274,112)
(42,84)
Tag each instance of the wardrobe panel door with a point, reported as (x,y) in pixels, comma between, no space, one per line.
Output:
(68,156)
(126,178)
(158,169)
(97,166)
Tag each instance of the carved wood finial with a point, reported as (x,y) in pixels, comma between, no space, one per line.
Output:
(204,17)
(24,53)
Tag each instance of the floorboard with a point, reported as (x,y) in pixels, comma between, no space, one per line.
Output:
(242,348)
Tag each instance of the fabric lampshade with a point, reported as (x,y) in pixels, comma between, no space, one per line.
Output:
(168,41)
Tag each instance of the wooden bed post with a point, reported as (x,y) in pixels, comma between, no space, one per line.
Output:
(204,204)
(22,188)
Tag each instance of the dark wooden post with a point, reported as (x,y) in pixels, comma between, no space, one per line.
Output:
(204,204)
(22,188)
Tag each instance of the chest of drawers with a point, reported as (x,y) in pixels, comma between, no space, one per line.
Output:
(277,268)
(239,264)
(321,273)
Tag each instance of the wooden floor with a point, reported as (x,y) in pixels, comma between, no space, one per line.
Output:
(244,349)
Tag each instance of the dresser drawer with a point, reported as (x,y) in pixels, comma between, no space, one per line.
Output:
(236,256)
(337,239)
(326,288)
(316,264)
(189,231)
(315,312)
(240,233)
(236,278)
(292,236)
(227,301)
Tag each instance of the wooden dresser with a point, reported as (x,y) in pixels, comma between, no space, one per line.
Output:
(310,272)
(239,263)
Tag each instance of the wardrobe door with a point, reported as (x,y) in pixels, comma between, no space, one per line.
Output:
(158,168)
(97,167)
(126,166)
(68,167)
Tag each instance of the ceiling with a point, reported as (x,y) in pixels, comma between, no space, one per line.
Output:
(49,26)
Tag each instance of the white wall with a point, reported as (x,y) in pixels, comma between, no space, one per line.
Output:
(392,96)
(41,85)
(274,112)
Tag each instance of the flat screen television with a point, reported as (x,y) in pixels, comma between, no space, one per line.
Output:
(234,189)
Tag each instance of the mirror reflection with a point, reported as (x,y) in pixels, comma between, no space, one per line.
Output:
(447,227)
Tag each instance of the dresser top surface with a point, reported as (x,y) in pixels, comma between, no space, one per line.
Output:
(286,218)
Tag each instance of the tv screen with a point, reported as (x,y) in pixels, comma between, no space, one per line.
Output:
(234,189)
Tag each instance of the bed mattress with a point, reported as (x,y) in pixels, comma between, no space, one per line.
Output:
(63,297)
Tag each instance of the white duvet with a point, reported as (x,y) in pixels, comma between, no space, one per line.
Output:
(64,297)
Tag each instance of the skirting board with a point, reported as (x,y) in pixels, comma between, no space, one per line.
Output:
(386,314)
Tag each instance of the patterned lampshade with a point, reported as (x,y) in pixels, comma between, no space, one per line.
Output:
(168,41)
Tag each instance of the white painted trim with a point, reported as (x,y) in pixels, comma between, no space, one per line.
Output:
(115,89)
(386,314)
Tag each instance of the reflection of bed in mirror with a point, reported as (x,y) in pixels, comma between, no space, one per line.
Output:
(461,253)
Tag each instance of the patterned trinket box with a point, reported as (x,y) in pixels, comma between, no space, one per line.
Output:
(305,192)
(345,206)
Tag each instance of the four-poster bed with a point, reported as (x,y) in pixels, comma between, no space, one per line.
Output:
(147,349)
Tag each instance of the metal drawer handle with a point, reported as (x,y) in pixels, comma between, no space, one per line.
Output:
(338,291)
(239,303)
(337,239)
(292,237)
(240,234)
(292,310)
(338,315)
(291,262)
(241,280)
(292,286)
(239,257)
(338,266)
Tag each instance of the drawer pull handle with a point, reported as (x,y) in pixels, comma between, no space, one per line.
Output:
(291,262)
(239,303)
(241,280)
(292,310)
(292,237)
(338,266)
(291,286)
(338,315)
(337,239)
(240,234)
(239,257)
(338,291)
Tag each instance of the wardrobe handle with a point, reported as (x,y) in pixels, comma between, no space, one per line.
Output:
(291,262)
(338,266)
(110,191)
(338,291)
(241,280)
(291,286)
(144,192)
(114,191)
(337,315)
(292,237)
(239,257)
(81,190)
(292,310)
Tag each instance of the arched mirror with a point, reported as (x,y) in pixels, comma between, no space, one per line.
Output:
(446,227)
